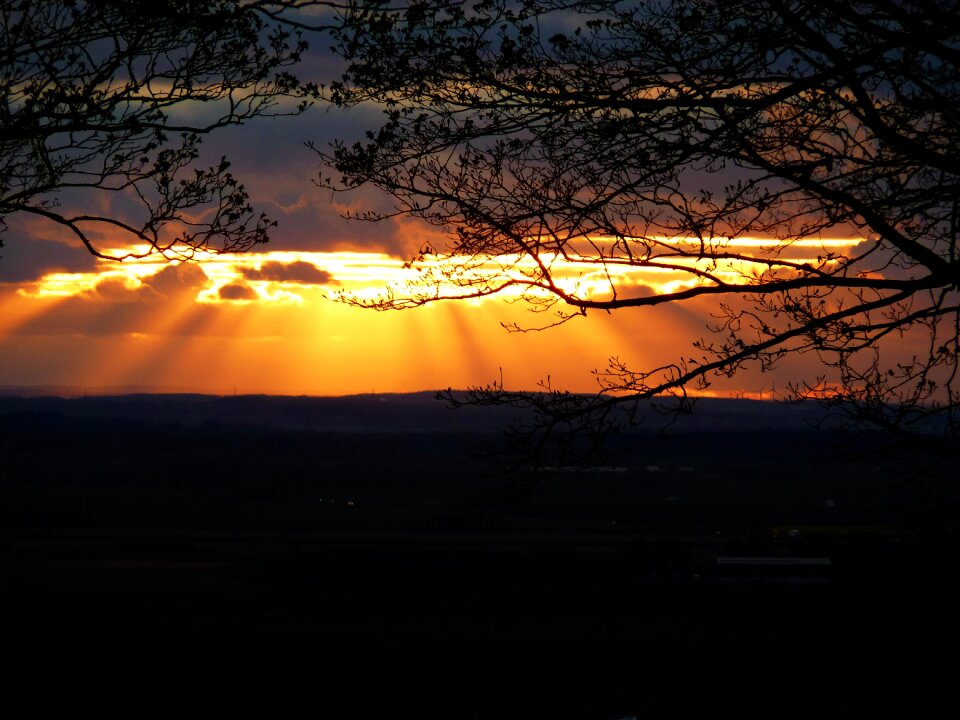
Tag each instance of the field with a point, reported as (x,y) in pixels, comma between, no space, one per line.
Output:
(158,554)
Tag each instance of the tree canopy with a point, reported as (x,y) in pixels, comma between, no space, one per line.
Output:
(712,140)
(106,98)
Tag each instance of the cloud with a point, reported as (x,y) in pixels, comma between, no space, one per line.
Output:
(116,290)
(299,272)
(237,291)
(269,157)
(174,280)
(636,290)
(24,259)
(171,283)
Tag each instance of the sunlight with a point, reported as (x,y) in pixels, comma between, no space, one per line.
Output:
(17,313)
(268,322)
(365,276)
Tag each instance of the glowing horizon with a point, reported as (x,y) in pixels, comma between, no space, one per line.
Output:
(268,323)
(367,274)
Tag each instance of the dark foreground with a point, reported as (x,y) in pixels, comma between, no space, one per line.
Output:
(154,560)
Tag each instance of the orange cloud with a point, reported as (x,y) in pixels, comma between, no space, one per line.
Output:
(175,280)
(119,290)
(237,292)
(298,272)
(172,281)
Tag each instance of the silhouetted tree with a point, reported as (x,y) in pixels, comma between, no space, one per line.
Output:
(628,135)
(108,97)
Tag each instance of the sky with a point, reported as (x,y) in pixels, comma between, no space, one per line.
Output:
(273,321)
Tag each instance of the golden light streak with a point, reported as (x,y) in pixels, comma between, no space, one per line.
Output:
(17,314)
(366,275)
(285,336)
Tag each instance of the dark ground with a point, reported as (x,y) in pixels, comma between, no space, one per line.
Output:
(344,558)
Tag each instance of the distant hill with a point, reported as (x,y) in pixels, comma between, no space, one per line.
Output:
(413,412)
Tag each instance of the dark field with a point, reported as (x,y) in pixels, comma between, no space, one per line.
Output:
(353,558)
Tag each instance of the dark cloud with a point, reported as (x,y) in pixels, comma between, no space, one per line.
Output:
(176,279)
(269,156)
(238,291)
(172,282)
(312,221)
(24,259)
(880,259)
(277,145)
(116,290)
(299,272)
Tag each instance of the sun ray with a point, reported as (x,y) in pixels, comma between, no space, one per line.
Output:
(146,322)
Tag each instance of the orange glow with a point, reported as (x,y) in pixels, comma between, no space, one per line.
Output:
(269,323)
(365,275)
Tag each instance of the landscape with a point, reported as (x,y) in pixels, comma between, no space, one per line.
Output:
(479,358)
(355,556)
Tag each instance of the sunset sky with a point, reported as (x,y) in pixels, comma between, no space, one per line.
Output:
(269,322)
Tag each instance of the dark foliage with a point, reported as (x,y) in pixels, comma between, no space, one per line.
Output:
(655,135)
(104,98)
